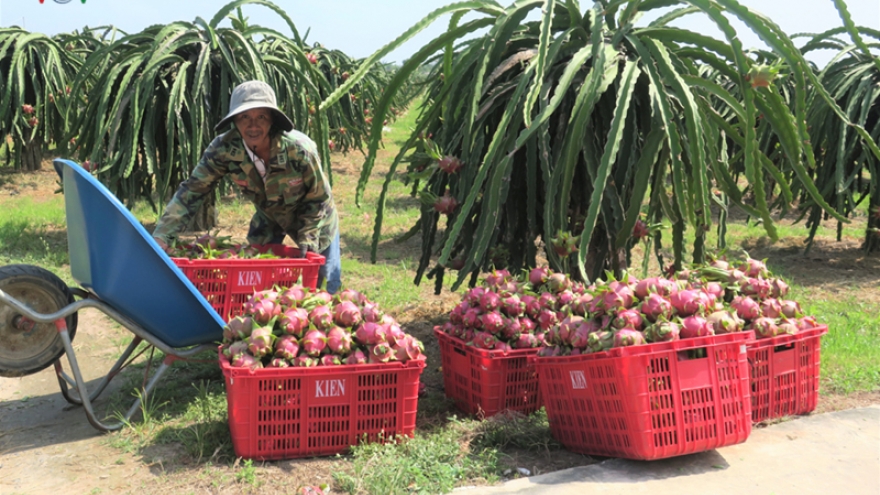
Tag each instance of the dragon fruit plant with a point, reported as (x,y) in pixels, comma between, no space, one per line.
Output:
(300,327)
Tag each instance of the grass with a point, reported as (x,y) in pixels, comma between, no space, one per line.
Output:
(188,409)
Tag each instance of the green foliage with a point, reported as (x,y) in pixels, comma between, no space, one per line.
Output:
(581,122)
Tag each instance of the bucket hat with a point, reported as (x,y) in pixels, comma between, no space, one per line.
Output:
(254,94)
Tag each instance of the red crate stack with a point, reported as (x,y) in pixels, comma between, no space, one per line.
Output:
(650,401)
(784,374)
(485,382)
(285,413)
(228,283)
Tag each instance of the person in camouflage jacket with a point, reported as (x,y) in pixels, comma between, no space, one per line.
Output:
(277,168)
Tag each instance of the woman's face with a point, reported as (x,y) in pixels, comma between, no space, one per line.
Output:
(254,125)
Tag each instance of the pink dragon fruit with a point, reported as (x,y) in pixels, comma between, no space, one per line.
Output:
(695,326)
(532,305)
(472,296)
(787,326)
(373,314)
(235,348)
(567,327)
(600,341)
(655,307)
(294,321)
(539,276)
(356,357)
(513,306)
(278,363)
(370,334)
(790,309)
(746,307)
(497,278)
(329,360)
(662,331)
(484,340)
(293,296)
(565,298)
(526,341)
(490,301)
(757,287)
(472,318)
(502,346)
(754,268)
(350,295)
(579,339)
(764,328)
(771,308)
(627,318)
(558,282)
(261,340)
(264,310)
(286,346)
(492,322)
(408,348)
(238,328)
(778,288)
(581,305)
(449,164)
(551,351)
(547,319)
(527,325)
(724,322)
(245,360)
(511,329)
(339,341)
(548,301)
(346,314)
(304,361)
(321,317)
(380,353)
(689,302)
(314,342)
(806,323)
(628,337)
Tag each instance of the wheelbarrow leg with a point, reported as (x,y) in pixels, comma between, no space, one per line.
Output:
(82,390)
(64,380)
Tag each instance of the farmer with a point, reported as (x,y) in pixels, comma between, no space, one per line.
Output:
(277,168)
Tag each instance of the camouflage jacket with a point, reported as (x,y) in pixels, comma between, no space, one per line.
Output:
(296,194)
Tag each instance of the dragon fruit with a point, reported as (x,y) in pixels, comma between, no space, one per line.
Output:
(627,318)
(350,295)
(356,357)
(724,322)
(321,317)
(293,296)
(346,314)
(408,349)
(764,328)
(787,326)
(656,306)
(490,301)
(628,337)
(264,310)
(380,353)
(484,340)
(245,360)
(526,341)
(492,322)
(472,318)
(304,361)
(567,327)
(497,278)
(771,308)
(511,329)
(286,346)
(558,282)
(746,307)
(754,268)
(372,313)
(260,341)
(778,288)
(235,348)
(472,297)
(581,305)
(513,306)
(238,328)
(689,302)
(532,304)
(695,326)
(601,340)
(314,342)
(294,321)
(278,363)
(502,346)
(653,285)
(547,319)
(539,276)
(370,334)
(548,301)
(579,339)
(551,351)
(339,341)
(790,309)
(329,360)
(662,331)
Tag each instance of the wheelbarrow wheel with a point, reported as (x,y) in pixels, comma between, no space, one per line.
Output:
(26,346)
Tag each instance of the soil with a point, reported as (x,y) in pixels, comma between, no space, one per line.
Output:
(48,446)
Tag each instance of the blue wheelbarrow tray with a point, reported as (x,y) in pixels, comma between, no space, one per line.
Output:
(114,257)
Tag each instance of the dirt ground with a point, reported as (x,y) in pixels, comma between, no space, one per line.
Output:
(48,446)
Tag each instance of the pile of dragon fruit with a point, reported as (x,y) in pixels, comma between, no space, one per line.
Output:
(298,326)
(563,317)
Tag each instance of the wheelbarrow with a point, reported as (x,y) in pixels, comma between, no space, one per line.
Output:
(122,272)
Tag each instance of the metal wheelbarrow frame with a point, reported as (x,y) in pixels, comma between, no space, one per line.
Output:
(124,274)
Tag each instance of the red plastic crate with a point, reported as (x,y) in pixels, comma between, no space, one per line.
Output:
(784,374)
(485,382)
(650,401)
(285,413)
(228,283)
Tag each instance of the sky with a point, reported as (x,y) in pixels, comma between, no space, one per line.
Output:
(360,27)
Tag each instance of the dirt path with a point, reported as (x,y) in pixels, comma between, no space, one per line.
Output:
(46,444)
